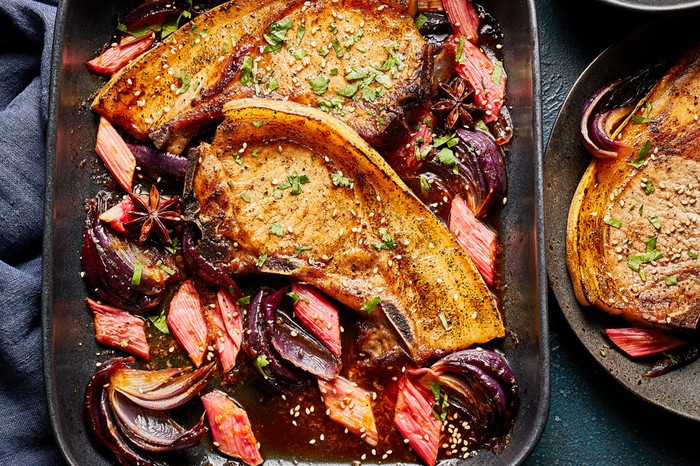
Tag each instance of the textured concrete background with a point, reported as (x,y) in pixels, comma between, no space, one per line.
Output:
(593,420)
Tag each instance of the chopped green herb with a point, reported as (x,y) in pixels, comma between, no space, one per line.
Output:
(243,300)
(354,38)
(642,276)
(497,72)
(446,157)
(261,259)
(672,280)
(276,229)
(640,120)
(328,105)
(339,180)
(356,74)
(273,84)
(174,247)
(632,207)
(692,254)
(421,19)
(654,220)
(641,210)
(185,80)
(443,321)
(369,94)
(300,249)
(165,268)
(246,70)
(260,362)
(295,181)
(255,152)
(441,402)
(642,156)
(481,125)
(348,91)
(238,159)
(425,184)
(277,36)
(197,34)
(336,47)
(245,197)
(370,305)
(332,28)
(450,140)
(392,62)
(300,34)
(387,242)
(294,296)
(259,124)
(334,71)
(460,50)
(160,322)
(651,244)
(136,277)
(124,343)
(613,222)
(299,54)
(384,80)
(649,188)
(635,262)
(361,48)
(323,51)
(319,84)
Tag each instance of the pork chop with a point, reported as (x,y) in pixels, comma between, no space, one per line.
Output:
(287,189)
(360,60)
(634,233)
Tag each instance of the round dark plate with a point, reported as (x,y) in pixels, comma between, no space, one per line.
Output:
(654,5)
(564,164)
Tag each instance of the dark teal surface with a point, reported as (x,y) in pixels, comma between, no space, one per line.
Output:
(594,420)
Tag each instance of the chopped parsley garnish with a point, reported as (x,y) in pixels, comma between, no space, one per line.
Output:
(651,244)
(197,34)
(276,229)
(124,343)
(387,242)
(165,268)
(370,305)
(299,54)
(392,62)
(349,91)
(356,74)
(260,362)
(635,262)
(272,84)
(300,34)
(294,181)
(185,80)
(446,157)
(246,70)
(261,259)
(294,296)
(238,159)
(323,51)
(319,84)
(692,254)
(361,48)
(441,403)
(328,105)
(443,321)
(642,156)
(255,152)
(497,72)
(334,71)
(354,38)
(278,35)
(450,140)
(370,95)
(336,47)
(160,322)
(641,210)
(259,124)
(672,280)
(460,50)
(421,19)
(654,220)
(174,247)
(243,300)
(333,28)
(339,180)
(649,188)
(425,184)
(481,125)
(640,120)
(245,197)
(136,277)
(613,222)
(300,249)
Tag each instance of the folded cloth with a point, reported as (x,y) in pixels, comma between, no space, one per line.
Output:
(26,35)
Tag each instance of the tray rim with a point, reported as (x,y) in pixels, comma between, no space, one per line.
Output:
(47,294)
(631,5)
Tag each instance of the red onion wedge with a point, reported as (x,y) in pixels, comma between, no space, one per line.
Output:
(161,389)
(115,154)
(674,360)
(161,167)
(463,17)
(119,329)
(414,419)
(203,268)
(227,324)
(318,315)
(152,430)
(125,274)
(118,215)
(153,13)
(639,342)
(230,428)
(186,322)
(593,129)
(475,237)
(117,56)
(486,77)
(350,406)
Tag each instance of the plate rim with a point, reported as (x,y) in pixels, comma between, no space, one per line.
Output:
(632,5)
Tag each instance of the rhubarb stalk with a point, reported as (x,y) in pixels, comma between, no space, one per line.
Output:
(186,322)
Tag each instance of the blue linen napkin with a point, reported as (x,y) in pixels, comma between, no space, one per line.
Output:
(26,35)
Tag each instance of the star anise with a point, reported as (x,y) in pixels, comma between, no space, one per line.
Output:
(457,103)
(153,213)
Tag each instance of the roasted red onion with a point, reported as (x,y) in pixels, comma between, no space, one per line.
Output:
(152,13)
(674,360)
(203,268)
(162,167)
(594,138)
(119,271)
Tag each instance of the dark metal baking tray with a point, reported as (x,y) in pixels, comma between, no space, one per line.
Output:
(70,351)
(654,5)
(565,162)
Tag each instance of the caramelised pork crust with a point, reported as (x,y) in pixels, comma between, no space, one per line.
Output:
(287,189)
(360,60)
(634,234)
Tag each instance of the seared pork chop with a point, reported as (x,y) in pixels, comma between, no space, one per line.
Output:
(634,234)
(360,60)
(288,189)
